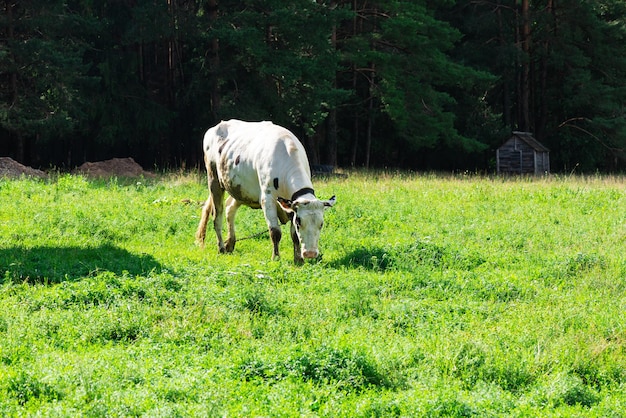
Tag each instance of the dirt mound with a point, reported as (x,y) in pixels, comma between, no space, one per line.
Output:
(115,167)
(12,169)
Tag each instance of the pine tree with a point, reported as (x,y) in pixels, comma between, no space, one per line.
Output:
(402,71)
(560,65)
(43,78)
(276,61)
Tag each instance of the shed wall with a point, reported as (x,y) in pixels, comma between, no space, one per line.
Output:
(517,156)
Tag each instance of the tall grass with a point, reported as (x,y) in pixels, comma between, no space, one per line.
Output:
(435,296)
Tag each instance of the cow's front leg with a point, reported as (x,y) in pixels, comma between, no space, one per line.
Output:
(218,207)
(231,209)
(275,235)
(271,217)
(297,251)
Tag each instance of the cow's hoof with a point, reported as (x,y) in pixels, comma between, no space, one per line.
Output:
(230,246)
(298,261)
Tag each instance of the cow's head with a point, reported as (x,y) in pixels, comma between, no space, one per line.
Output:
(308,219)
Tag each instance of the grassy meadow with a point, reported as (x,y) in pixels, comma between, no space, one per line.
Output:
(436,296)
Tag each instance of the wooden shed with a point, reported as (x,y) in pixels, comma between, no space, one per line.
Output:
(523,154)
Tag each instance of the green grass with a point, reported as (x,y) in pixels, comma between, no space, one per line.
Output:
(436,296)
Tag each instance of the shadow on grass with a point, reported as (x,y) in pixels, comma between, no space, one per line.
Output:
(58,264)
(409,257)
(375,258)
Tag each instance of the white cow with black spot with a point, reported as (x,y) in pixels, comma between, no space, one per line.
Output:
(261,165)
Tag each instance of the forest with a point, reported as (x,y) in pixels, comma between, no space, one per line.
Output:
(407,84)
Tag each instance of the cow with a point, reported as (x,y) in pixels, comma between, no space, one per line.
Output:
(263,166)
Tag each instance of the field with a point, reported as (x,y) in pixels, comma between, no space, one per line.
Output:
(436,296)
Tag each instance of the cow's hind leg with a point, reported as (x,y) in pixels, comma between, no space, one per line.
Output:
(207,211)
(231,210)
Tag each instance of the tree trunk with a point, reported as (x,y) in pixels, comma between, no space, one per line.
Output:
(355,128)
(331,131)
(506,73)
(331,136)
(20,146)
(215,64)
(370,116)
(542,118)
(313,144)
(525,76)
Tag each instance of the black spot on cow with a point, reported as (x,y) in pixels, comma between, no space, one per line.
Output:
(276,183)
(219,151)
(239,194)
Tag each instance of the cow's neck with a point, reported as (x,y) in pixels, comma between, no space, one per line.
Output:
(302,192)
(299,184)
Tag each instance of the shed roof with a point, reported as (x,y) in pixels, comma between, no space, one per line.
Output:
(531,141)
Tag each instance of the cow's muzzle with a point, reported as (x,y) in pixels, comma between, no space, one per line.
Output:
(310,254)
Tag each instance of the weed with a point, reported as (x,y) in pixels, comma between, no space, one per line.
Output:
(344,369)
(448,405)
(25,388)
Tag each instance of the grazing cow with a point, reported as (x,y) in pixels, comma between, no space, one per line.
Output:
(261,165)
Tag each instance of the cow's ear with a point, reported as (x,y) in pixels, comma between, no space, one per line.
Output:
(285,204)
(330,202)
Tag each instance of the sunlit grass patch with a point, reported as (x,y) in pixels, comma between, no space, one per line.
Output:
(435,296)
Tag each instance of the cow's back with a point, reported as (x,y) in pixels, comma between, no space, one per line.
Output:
(246,156)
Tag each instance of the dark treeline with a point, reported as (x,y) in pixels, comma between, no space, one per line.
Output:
(378,83)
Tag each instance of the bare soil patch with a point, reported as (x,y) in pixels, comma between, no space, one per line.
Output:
(9,168)
(115,167)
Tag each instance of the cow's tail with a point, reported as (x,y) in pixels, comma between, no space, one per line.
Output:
(208,210)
